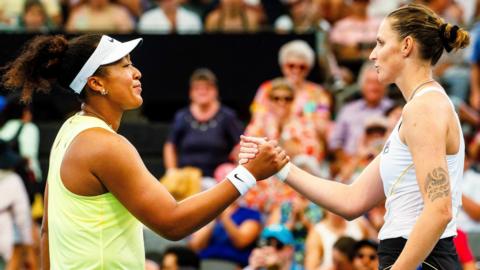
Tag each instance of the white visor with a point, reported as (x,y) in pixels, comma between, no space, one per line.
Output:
(109,50)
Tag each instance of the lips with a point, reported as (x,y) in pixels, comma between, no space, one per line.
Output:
(138,87)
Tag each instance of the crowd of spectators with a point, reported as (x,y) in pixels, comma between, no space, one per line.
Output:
(331,129)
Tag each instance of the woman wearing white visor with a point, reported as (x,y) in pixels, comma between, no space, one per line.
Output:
(97,183)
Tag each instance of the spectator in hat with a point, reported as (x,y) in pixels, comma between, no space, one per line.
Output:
(203,134)
(15,248)
(276,251)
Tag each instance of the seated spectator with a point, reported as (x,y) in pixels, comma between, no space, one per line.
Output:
(299,216)
(366,257)
(312,103)
(100,16)
(179,257)
(34,18)
(169,17)
(370,144)
(19,124)
(320,240)
(302,17)
(232,237)
(350,122)
(232,16)
(276,250)
(15,248)
(354,36)
(11,10)
(203,134)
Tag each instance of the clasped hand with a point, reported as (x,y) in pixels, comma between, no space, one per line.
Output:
(261,156)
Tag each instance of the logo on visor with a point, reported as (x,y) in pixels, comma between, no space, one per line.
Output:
(110,39)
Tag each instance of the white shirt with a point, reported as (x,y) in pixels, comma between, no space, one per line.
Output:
(155,21)
(28,142)
(471,189)
(14,209)
(404,200)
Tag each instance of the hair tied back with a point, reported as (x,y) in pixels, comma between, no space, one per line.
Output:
(448,36)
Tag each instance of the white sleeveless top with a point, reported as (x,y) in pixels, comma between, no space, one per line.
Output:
(404,202)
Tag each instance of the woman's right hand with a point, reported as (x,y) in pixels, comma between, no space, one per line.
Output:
(263,157)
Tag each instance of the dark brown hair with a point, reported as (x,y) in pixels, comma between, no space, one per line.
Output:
(49,60)
(429,30)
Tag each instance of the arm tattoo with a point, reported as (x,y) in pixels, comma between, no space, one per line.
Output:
(437,184)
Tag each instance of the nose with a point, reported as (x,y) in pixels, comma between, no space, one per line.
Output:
(373,55)
(137,74)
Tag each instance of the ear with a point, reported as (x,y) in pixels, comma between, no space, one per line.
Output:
(95,84)
(407,46)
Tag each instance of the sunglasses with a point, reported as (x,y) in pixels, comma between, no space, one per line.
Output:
(372,257)
(287,99)
(273,242)
(301,67)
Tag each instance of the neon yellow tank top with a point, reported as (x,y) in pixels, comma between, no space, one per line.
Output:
(88,232)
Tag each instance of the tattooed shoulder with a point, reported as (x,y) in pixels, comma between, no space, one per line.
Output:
(437,184)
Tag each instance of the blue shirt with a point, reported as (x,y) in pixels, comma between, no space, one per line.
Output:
(205,145)
(220,245)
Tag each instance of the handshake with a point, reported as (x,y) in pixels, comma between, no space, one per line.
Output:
(263,157)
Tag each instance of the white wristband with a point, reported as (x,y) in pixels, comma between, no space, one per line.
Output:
(283,173)
(242,179)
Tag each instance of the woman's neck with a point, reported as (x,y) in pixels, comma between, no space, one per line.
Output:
(415,77)
(111,118)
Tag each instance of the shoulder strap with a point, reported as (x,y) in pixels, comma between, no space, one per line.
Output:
(20,128)
(14,141)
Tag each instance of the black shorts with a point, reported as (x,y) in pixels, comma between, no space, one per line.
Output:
(443,256)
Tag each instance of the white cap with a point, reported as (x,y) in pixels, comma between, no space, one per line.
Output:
(108,51)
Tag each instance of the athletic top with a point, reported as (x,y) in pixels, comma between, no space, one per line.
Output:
(88,232)
(404,202)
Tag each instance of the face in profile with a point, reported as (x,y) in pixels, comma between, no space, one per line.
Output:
(122,82)
(387,55)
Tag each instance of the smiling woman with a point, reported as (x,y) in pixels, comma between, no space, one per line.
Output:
(99,192)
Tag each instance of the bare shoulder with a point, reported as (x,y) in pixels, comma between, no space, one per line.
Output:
(100,144)
(429,107)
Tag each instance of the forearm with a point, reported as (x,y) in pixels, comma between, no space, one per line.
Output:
(425,234)
(194,212)
(44,252)
(471,208)
(333,196)
(170,155)
(201,238)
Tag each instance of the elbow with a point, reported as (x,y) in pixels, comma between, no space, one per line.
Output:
(173,234)
(444,214)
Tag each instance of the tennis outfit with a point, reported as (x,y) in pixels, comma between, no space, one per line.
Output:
(88,232)
(404,202)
